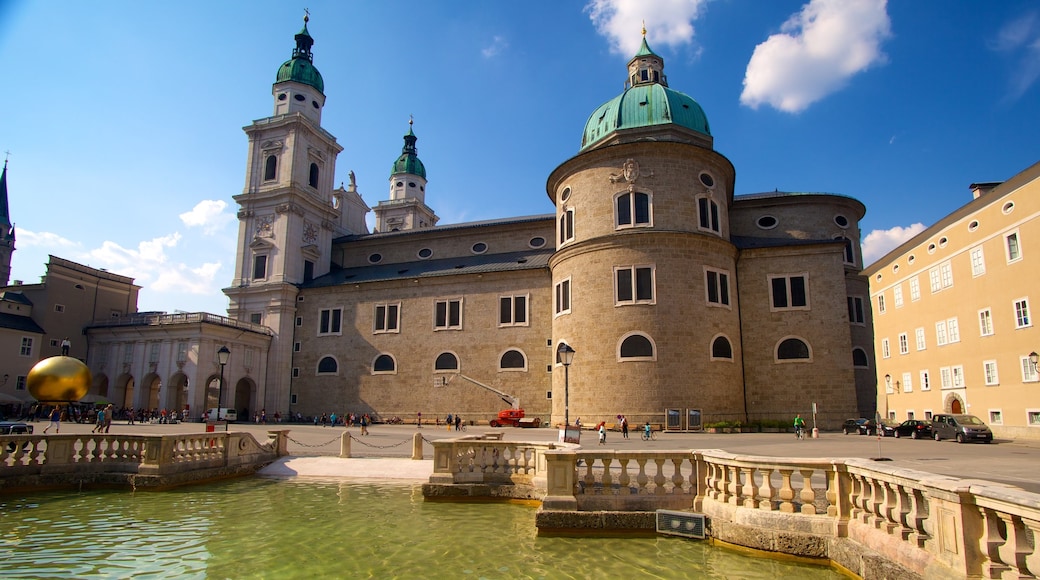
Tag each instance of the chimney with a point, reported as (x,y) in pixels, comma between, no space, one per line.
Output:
(980,189)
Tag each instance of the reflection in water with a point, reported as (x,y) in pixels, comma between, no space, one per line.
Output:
(273,528)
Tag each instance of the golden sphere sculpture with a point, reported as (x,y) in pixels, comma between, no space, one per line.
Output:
(58,379)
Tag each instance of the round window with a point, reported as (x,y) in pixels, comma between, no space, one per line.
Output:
(566,194)
(974,225)
(1008,207)
(895,268)
(375,258)
(425,253)
(943,241)
(314,104)
(400,184)
(707,179)
(479,248)
(878,277)
(911,259)
(931,248)
(767,222)
(411,184)
(300,98)
(282,97)
(842,221)
(537,242)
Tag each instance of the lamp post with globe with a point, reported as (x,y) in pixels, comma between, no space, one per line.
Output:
(223,355)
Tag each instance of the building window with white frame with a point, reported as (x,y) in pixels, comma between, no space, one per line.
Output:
(708,212)
(908,383)
(512,310)
(888,385)
(958,377)
(897,296)
(563,297)
(633,285)
(1029,372)
(989,368)
(1022,313)
(1032,418)
(330,321)
(634,209)
(566,225)
(953,330)
(26,347)
(926,384)
(985,322)
(717,285)
(886,352)
(978,262)
(996,417)
(447,314)
(260,267)
(910,415)
(940,333)
(904,344)
(919,337)
(946,274)
(946,377)
(387,318)
(790,292)
(915,289)
(1014,250)
(934,279)
(153,352)
(881,303)
(856,313)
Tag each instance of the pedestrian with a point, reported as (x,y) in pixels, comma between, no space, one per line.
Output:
(65,346)
(419,420)
(364,424)
(55,420)
(99,422)
(130,416)
(263,416)
(624,426)
(602,433)
(324,420)
(458,422)
(449,422)
(109,411)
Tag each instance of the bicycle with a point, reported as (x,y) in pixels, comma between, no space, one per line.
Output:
(648,436)
(799,432)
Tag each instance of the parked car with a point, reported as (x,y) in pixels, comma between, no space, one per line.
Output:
(961,428)
(888,427)
(914,429)
(860,426)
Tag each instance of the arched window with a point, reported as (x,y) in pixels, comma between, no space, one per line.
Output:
(270,168)
(566,226)
(313,180)
(633,209)
(791,349)
(850,254)
(636,346)
(513,359)
(708,213)
(859,357)
(721,348)
(327,365)
(384,364)
(446,362)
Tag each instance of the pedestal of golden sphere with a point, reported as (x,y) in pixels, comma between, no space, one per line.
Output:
(58,379)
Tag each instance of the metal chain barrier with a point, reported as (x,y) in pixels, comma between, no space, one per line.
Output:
(399,443)
(318,445)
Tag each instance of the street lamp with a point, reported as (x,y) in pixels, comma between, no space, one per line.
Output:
(1033,359)
(566,354)
(222,359)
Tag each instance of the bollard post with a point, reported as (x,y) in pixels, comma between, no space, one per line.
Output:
(344,444)
(417,446)
(815,433)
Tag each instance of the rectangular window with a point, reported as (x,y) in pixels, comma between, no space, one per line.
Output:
(563,297)
(927,415)
(1033,418)
(910,415)
(153,353)
(1014,251)
(953,330)
(634,285)
(989,368)
(1029,372)
(790,292)
(128,353)
(897,296)
(717,284)
(885,351)
(19,383)
(908,385)
(946,274)
(856,310)
(978,262)
(985,322)
(708,212)
(447,314)
(958,377)
(881,303)
(934,280)
(330,321)
(27,344)
(940,332)
(296,373)
(299,321)
(633,209)
(904,344)
(1022,313)
(296,346)
(259,267)
(387,318)
(566,226)
(915,289)
(59,308)
(926,384)
(946,376)
(996,417)
(256,318)
(919,335)
(512,310)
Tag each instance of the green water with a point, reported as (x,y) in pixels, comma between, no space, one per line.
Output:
(304,528)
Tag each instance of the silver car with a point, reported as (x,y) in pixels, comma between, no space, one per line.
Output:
(962,428)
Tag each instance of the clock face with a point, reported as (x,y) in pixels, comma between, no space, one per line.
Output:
(310,233)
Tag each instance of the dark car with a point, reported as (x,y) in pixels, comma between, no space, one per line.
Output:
(15,428)
(962,428)
(914,429)
(888,428)
(860,426)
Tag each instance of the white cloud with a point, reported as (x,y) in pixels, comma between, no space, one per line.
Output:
(182,278)
(816,53)
(47,240)
(498,44)
(1020,39)
(880,242)
(668,22)
(142,264)
(209,215)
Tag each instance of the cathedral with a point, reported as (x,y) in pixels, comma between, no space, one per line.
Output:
(681,302)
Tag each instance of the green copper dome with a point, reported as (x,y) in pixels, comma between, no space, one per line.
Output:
(409,162)
(646,102)
(300,68)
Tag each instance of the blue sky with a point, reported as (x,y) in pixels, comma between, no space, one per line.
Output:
(124,119)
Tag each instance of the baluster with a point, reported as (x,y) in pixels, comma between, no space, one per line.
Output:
(748,491)
(677,476)
(808,494)
(993,538)
(623,478)
(642,478)
(786,491)
(659,479)
(766,491)
(918,518)
(1031,553)
(589,479)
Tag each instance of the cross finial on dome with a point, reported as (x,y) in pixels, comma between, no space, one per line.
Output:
(644,29)
(306,16)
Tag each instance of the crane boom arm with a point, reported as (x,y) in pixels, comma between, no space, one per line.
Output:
(514,402)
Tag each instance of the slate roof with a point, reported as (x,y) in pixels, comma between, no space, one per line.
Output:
(449,227)
(19,323)
(750,243)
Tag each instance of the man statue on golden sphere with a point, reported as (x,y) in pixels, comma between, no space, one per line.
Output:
(59,379)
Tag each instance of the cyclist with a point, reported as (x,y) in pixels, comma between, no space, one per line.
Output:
(646,431)
(799,427)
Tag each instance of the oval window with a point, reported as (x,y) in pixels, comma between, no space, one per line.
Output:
(536,242)
(895,268)
(943,241)
(425,253)
(931,248)
(399,184)
(841,220)
(566,194)
(479,248)
(974,225)
(707,179)
(281,97)
(375,258)
(314,104)
(767,222)
(1008,207)
(300,98)
(911,259)
(411,184)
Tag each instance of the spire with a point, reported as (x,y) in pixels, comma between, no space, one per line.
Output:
(408,162)
(5,212)
(304,42)
(646,67)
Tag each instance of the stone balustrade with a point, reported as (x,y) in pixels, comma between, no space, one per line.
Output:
(480,465)
(137,460)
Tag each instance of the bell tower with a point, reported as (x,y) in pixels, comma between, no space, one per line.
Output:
(288,213)
(6,232)
(406,209)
